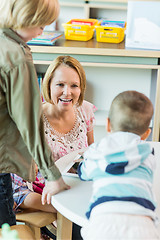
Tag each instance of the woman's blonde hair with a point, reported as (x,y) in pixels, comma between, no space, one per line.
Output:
(70,62)
(18,14)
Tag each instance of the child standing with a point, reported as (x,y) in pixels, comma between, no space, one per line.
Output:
(21,128)
(121,166)
(68,120)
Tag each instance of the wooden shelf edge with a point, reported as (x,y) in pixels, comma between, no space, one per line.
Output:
(95,51)
(116,1)
(113,65)
(108,7)
(72,4)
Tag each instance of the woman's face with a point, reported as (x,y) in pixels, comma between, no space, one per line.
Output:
(65,87)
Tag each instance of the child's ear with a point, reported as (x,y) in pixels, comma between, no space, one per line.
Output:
(146,134)
(108,125)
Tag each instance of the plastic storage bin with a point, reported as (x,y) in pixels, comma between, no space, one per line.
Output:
(80,29)
(110,31)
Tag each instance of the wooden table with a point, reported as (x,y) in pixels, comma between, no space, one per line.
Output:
(72,204)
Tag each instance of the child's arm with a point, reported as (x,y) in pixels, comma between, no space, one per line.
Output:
(87,167)
(75,164)
(84,170)
(14,206)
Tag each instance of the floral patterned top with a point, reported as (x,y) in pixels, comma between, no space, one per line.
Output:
(62,144)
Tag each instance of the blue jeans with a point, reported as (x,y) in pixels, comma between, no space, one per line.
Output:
(6,200)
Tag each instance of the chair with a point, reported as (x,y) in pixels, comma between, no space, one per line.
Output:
(24,232)
(35,220)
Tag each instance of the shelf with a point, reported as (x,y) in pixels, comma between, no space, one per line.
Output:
(106,1)
(109,65)
(72,4)
(109,5)
(110,69)
(99,9)
(92,47)
(103,6)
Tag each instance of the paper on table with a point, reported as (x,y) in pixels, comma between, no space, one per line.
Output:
(67,161)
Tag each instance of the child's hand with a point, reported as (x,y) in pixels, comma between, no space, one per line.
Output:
(51,188)
(14,206)
(78,158)
(72,170)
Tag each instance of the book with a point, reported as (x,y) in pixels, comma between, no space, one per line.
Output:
(67,161)
(47,38)
(81,22)
(119,24)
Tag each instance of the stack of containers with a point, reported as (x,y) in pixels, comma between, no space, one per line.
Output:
(110,31)
(106,31)
(80,29)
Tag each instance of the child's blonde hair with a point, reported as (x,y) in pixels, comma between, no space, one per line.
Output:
(131,111)
(66,61)
(19,14)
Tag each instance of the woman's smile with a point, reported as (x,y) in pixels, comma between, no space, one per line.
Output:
(65,87)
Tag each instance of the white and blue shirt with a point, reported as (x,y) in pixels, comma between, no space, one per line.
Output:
(121,167)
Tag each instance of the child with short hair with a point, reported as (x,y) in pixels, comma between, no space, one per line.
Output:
(21,127)
(121,166)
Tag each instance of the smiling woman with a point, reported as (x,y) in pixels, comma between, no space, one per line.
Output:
(68,118)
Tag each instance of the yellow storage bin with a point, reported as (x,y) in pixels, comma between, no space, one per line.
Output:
(110,31)
(80,29)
